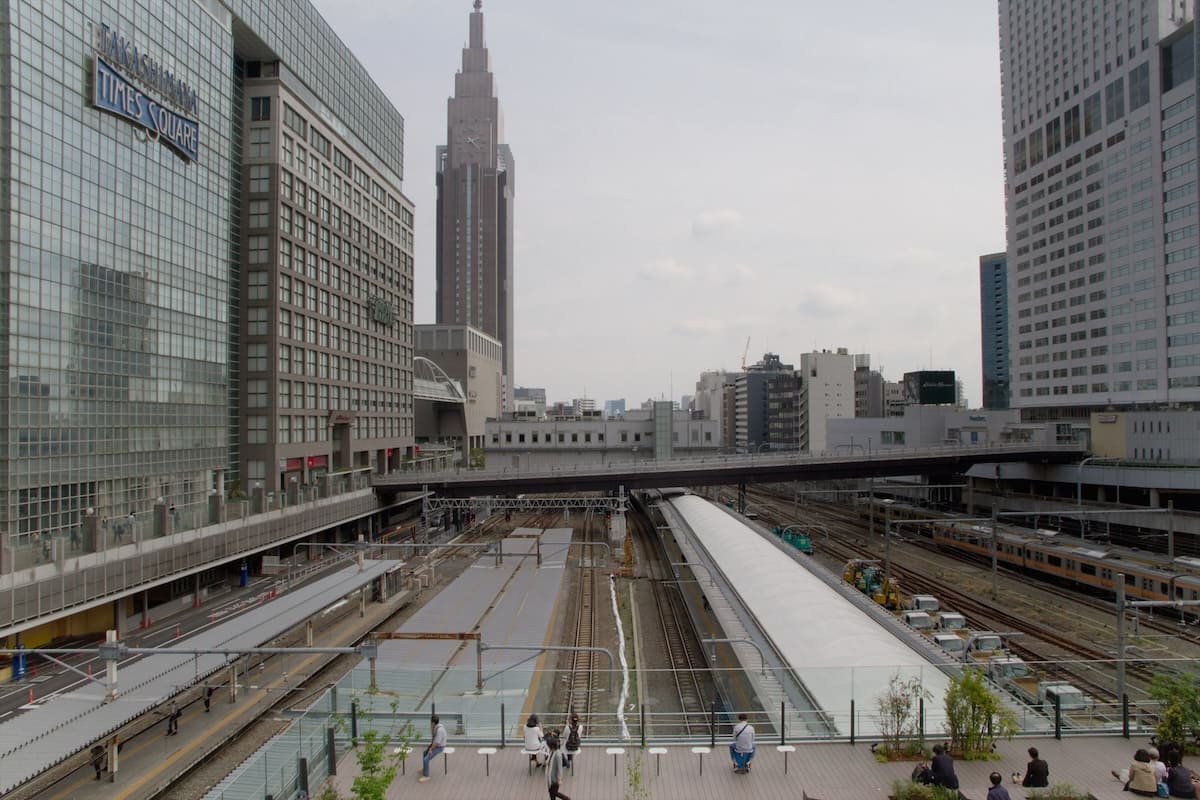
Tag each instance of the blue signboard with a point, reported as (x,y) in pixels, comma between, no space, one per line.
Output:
(113,93)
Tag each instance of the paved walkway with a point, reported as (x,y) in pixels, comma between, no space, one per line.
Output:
(823,771)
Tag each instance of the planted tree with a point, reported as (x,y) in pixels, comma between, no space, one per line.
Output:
(1179,707)
(975,717)
(378,754)
(899,718)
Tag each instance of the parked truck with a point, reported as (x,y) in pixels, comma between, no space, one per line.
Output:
(951,621)
(952,643)
(923,602)
(1014,675)
(917,620)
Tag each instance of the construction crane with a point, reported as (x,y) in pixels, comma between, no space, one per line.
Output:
(745,352)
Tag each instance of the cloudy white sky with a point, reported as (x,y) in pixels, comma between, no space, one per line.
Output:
(691,173)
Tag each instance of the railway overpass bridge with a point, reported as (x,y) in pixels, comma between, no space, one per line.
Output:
(718,470)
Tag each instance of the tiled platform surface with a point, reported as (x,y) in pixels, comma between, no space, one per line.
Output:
(836,771)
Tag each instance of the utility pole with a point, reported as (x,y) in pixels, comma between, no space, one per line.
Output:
(1120,581)
(887,551)
(995,543)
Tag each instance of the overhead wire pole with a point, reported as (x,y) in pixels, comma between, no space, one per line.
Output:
(887,550)
(995,545)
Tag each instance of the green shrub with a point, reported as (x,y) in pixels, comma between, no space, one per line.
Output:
(1179,698)
(975,717)
(1059,791)
(912,790)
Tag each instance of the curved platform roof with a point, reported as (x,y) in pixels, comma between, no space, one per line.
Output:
(839,650)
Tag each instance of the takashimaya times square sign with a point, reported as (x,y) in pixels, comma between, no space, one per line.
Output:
(120,72)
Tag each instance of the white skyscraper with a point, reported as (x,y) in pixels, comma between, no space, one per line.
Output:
(1102,208)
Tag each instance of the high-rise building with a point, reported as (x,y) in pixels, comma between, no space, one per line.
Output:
(765,410)
(826,391)
(205,237)
(476,182)
(993,318)
(614,408)
(868,388)
(1100,112)
(710,394)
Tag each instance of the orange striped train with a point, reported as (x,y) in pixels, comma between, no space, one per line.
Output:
(1052,555)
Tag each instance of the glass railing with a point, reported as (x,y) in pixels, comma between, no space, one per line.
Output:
(399,703)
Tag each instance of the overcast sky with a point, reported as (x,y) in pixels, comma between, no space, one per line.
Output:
(691,173)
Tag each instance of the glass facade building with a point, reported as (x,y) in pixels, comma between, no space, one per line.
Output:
(993,315)
(133,176)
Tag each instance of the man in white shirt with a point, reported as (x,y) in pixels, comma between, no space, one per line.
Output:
(741,749)
(436,746)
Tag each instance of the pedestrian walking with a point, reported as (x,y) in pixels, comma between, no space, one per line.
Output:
(130,522)
(208,693)
(436,745)
(555,769)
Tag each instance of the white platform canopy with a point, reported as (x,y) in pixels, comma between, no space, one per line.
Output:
(837,648)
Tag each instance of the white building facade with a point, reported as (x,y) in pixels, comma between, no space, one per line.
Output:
(522,443)
(826,392)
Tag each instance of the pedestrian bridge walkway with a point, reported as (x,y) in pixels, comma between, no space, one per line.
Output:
(835,771)
(723,470)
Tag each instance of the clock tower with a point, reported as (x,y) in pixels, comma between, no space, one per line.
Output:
(475,189)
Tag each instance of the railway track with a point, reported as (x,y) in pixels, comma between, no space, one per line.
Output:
(1071,657)
(686,662)
(583,675)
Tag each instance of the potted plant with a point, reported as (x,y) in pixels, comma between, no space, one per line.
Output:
(900,724)
(975,717)
(913,790)
(1060,791)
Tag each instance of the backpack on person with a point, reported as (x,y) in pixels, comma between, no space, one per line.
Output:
(573,739)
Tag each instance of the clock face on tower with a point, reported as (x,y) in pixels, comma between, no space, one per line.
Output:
(472,139)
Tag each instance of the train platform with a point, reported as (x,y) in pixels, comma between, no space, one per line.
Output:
(65,725)
(815,771)
(511,605)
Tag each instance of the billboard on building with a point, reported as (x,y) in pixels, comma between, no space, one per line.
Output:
(929,387)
